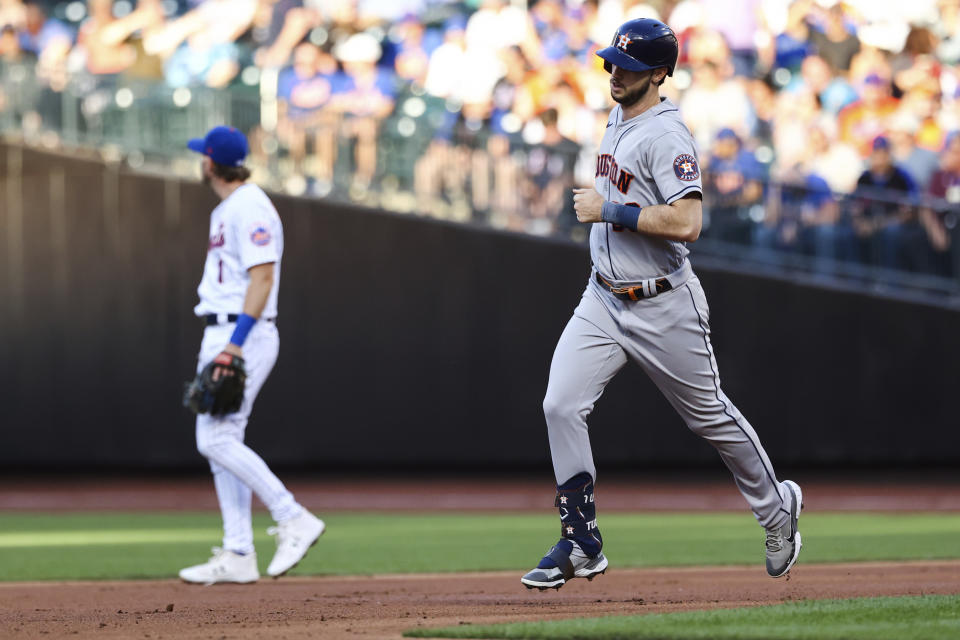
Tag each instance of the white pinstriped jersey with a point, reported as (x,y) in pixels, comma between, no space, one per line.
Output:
(245,231)
(646,160)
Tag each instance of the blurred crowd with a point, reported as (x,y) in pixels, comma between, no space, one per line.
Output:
(824,127)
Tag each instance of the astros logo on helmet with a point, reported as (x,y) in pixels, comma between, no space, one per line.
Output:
(641,44)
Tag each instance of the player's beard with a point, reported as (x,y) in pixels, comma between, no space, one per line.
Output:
(633,97)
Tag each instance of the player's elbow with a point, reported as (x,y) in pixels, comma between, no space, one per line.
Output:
(690,210)
(689,227)
(262,274)
(691,233)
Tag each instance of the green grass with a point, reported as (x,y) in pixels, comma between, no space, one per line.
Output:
(906,618)
(157,545)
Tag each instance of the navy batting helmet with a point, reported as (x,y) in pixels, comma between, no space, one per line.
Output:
(640,45)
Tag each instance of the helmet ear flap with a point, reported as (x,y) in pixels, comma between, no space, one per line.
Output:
(607,66)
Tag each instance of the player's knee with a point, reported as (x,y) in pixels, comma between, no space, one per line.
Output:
(698,427)
(707,423)
(556,408)
(213,449)
(207,449)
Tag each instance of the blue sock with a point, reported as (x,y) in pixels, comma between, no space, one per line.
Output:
(548,563)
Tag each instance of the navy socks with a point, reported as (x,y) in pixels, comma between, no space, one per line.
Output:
(578,513)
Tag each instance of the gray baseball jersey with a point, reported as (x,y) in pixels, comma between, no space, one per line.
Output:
(648,159)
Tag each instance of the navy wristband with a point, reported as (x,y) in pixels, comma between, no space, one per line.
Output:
(244,325)
(622,214)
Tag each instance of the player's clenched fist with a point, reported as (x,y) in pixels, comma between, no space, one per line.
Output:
(588,204)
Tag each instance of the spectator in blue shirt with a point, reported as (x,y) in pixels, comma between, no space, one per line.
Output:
(308,84)
(304,90)
(833,91)
(549,21)
(824,232)
(732,186)
(47,38)
(803,215)
(202,61)
(413,45)
(886,214)
(367,93)
(918,162)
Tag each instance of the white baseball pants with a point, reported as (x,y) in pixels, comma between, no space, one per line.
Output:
(237,470)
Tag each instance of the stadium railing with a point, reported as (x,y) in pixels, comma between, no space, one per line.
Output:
(427,158)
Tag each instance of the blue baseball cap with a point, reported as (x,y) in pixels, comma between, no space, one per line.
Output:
(727,134)
(881,143)
(224,145)
(456,22)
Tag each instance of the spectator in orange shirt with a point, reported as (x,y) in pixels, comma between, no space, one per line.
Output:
(923,102)
(864,120)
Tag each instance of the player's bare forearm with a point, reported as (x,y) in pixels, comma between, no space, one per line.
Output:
(680,220)
(261,282)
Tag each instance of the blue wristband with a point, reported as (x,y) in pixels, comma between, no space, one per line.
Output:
(624,215)
(244,325)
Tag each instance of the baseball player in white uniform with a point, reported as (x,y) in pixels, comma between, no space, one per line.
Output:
(238,306)
(644,303)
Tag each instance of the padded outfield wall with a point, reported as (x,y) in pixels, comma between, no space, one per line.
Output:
(411,342)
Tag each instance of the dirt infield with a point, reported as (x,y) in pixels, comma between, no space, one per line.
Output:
(385,606)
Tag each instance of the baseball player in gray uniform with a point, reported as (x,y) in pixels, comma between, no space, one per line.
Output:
(644,303)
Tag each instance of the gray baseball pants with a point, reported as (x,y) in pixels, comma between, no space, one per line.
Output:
(669,337)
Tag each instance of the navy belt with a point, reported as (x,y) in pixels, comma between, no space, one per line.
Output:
(213,319)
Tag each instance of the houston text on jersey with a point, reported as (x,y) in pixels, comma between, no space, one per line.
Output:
(607,166)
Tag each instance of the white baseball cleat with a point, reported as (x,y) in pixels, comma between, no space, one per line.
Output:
(294,538)
(224,566)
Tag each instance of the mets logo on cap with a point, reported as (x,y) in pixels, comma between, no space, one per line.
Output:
(260,236)
(686,168)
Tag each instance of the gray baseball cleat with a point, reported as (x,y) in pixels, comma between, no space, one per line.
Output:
(783,544)
(564,561)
